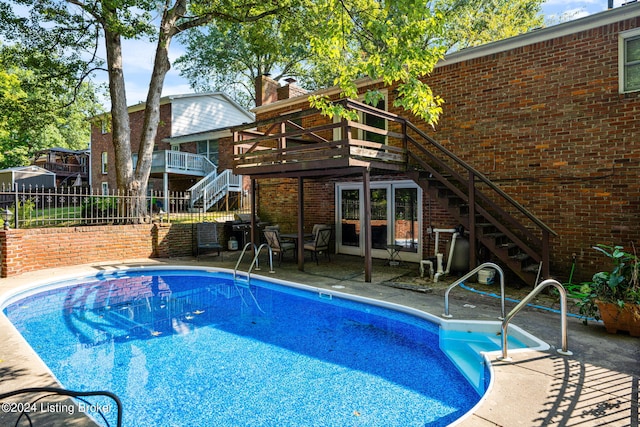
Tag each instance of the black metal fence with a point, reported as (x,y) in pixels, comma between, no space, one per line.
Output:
(34,207)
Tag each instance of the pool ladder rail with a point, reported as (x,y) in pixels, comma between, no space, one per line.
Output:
(563,317)
(506,319)
(255,262)
(468,275)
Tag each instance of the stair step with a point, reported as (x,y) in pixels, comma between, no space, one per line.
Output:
(470,364)
(484,224)
(533,268)
(494,235)
(520,256)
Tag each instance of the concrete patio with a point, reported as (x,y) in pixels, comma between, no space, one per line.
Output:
(598,385)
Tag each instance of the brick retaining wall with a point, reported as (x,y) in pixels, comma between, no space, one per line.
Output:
(25,250)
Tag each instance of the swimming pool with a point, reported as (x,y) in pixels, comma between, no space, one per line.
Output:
(193,347)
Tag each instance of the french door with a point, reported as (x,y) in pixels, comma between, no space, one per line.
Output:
(396,218)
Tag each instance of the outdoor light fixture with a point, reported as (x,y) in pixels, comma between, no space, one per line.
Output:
(6,217)
(161,214)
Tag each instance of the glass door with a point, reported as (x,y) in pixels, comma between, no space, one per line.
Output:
(348,227)
(379,218)
(395,219)
(406,221)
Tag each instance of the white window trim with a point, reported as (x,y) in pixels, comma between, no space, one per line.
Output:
(622,37)
(104,162)
(105,188)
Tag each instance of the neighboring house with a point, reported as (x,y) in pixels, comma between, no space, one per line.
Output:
(71,167)
(179,163)
(546,124)
(27,177)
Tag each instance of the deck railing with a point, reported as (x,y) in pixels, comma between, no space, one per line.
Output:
(281,144)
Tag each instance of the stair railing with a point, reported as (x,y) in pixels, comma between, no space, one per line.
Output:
(475,198)
(473,194)
(196,190)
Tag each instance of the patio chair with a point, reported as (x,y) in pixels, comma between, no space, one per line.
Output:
(320,244)
(207,238)
(314,232)
(277,245)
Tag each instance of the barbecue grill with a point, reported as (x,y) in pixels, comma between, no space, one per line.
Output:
(240,228)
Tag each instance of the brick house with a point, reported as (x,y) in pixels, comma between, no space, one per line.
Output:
(70,166)
(186,149)
(548,118)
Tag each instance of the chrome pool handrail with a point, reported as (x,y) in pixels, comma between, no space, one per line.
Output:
(563,313)
(247,246)
(469,274)
(256,262)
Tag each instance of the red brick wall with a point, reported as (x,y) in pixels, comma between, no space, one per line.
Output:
(103,142)
(278,204)
(25,250)
(546,123)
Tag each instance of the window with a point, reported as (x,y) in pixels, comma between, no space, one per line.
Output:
(104,126)
(376,122)
(629,57)
(209,149)
(105,188)
(369,120)
(104,163)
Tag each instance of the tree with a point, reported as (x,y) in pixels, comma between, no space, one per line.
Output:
(230,56)
(38,110)
(221,56)
(475,23)
(398,41)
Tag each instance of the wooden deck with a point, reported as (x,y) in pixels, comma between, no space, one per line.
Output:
(285,148)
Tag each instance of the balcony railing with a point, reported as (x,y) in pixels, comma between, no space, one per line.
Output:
(179,162)
(65,168)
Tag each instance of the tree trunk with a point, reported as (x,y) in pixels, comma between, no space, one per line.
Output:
(119,115)
(138,185)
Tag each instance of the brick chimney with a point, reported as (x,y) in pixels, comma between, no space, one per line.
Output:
(291,90)
(266,90)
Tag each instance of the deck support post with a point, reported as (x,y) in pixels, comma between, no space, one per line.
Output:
(366,225)
(301,223)
(254,238)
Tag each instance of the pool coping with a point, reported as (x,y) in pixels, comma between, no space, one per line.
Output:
(521,394)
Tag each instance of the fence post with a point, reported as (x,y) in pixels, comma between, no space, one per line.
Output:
(15,214)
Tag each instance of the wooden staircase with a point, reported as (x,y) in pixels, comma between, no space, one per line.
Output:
(515,237)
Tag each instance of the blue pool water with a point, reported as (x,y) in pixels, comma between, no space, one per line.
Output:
(195,348)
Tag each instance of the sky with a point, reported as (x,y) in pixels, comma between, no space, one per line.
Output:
(138,54)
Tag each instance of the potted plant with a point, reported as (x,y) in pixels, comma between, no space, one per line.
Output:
(614,295)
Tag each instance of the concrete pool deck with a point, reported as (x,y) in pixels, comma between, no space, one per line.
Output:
(598,385)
